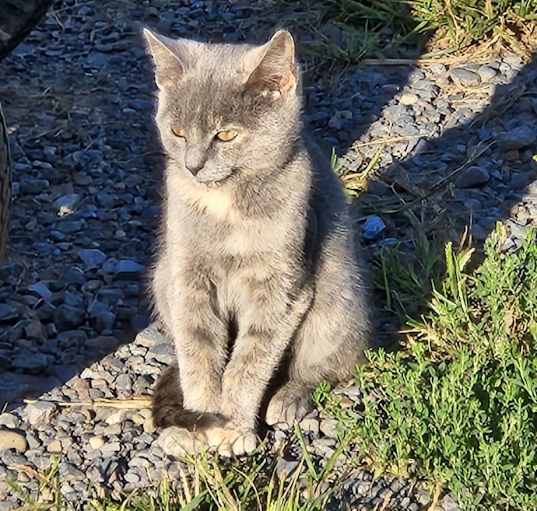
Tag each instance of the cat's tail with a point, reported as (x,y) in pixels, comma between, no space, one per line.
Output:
(167,405)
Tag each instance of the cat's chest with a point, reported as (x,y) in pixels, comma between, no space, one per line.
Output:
(236,281)
(244,240)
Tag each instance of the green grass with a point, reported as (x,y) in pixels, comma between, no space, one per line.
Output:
(205,483)
(458,405)
(349,30)
(470,21)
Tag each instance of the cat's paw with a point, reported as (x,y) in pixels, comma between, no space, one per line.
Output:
(179,442)
(288,405)
(228,442)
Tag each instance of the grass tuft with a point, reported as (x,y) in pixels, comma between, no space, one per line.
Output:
(346,31)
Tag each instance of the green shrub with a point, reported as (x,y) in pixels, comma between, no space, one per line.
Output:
(459,404)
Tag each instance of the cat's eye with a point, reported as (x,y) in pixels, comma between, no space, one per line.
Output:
(227,135)
(178,132)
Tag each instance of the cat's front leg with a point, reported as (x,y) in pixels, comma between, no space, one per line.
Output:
(200,338)
(266,325)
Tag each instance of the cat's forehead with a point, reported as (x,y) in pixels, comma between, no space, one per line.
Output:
(208,94)
(229,60)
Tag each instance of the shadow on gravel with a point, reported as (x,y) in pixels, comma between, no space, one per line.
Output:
(487,173)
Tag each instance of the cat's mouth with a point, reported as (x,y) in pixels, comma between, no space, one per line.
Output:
(212,180)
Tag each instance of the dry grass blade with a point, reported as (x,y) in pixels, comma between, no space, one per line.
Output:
(436,497)
(439,185)
(132,403)
(389,140)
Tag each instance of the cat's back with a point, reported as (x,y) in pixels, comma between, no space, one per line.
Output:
(327,196)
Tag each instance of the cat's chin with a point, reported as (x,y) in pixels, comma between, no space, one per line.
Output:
(213,181)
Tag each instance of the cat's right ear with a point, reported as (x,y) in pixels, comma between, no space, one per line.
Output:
(275,72)
(169,63)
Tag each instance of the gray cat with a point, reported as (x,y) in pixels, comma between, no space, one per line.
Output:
(257,274)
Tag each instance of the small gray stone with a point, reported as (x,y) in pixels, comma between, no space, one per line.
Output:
(74,275)
(7,312)
(96,442)
(110,448)
(329,428)
(123,383)
(40,412)
(9,420)
(373,227)
(487,73)
(41,289)
(513,60)
(448,503)
(423,497)
(473,176)
(128,269)
(285,467)
(67,317)
(92,257)
(12,440)
(33,440)
(102,318)
(14,457)
(70,226)
(151,336)
(69,471)
(66,204)
(464,76)
(132,477)
(310,425)
(437,68)
(335,122)
(33,186)
(30,361)
(107,200)
(353,391)
(103,344)
(361,488)
(518,231)
(408,99)
(405,503)
(116,417)
(323,447)
(163,353)
(517,138)
(112,46)
(7,505)
(54,447)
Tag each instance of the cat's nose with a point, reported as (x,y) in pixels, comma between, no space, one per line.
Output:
(195,158)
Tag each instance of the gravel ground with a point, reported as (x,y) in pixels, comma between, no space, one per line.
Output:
(78,96)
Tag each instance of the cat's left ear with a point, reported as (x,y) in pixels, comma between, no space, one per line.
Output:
(275,73)
(171,57)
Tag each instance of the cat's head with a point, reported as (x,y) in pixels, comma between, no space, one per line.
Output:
(226,111)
